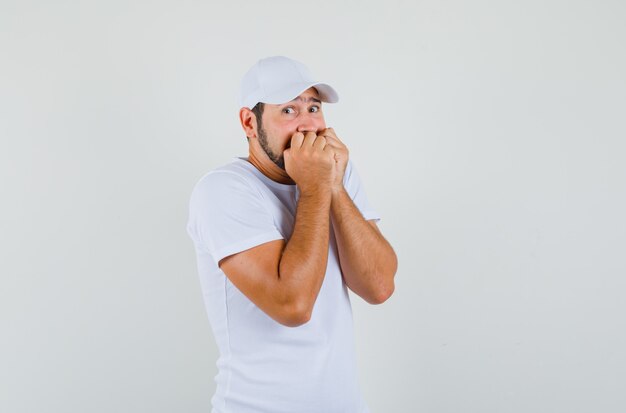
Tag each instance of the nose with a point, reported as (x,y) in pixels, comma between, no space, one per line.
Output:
(309,123)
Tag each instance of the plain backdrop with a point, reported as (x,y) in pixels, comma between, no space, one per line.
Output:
(489,135)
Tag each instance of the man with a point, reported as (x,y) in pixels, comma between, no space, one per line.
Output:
(279,238)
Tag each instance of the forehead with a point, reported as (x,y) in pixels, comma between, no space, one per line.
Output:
(310,92)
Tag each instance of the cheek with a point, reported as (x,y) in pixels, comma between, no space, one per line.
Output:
(285,138)
(321,123)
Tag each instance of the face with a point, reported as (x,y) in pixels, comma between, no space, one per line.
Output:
(280,122)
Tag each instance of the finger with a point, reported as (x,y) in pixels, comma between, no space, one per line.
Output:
(331,140)
(320,143)
(334,142)
(297,139)
(331,132)
(309,139)
(330,149)
(332,136)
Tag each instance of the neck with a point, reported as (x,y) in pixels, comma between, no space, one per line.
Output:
(268,168)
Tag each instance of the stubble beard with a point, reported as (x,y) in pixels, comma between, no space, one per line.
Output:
(279,160)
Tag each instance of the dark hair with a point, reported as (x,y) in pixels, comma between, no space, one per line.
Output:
(258,114)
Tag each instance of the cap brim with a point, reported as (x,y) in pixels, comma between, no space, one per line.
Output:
(326,92)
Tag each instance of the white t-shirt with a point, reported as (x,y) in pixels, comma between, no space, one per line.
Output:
(263,365)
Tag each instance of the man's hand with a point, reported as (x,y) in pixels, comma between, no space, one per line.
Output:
(341,156)
(311,161)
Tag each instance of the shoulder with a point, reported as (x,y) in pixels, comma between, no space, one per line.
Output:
(229,178)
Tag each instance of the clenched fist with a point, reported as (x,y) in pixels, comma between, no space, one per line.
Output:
(310,162)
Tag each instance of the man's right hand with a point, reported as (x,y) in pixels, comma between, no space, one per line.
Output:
(310,162)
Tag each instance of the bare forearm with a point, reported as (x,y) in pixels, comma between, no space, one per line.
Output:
(368,261)
(303,263)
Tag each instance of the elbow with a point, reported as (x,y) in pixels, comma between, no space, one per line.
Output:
(296,319)
(382,294)
(295,314)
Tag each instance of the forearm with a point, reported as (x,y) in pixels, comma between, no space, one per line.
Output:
(367,260)
(303,263)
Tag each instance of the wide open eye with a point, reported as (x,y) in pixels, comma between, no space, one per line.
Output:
(289,110)
(314,109)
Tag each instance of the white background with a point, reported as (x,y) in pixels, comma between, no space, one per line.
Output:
(489,135)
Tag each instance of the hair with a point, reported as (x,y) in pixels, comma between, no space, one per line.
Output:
(258,114)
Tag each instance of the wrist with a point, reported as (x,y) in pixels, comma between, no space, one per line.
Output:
(317,191)
(337,190)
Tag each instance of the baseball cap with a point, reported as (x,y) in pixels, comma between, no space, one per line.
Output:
(279,79)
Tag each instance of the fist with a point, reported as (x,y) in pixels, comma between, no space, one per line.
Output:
(310,161)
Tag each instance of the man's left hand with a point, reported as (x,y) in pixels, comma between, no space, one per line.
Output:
(341,156)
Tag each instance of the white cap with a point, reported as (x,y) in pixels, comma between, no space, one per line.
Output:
(277,80)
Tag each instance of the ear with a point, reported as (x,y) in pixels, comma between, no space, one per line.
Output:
(248,122)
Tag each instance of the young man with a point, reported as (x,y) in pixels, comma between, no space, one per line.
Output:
(279,238)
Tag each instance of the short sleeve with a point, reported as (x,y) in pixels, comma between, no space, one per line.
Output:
(227,215)
(354,187)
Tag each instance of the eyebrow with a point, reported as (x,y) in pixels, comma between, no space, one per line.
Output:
(309,99)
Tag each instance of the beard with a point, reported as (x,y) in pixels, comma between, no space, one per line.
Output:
(278,159)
